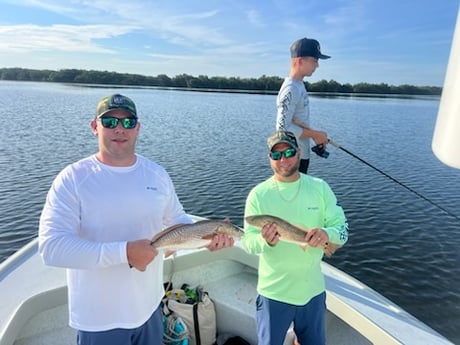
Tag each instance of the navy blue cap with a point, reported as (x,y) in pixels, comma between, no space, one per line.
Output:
(307,47)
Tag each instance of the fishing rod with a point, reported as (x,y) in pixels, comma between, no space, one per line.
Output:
(321,151)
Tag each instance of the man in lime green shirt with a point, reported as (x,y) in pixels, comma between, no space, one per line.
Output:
(291,287)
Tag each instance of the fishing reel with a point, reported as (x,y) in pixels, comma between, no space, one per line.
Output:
(320,150)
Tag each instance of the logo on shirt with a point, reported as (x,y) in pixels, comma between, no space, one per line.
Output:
(343,232)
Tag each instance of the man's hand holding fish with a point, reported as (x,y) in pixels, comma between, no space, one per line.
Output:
(220,241)
(314,237)
(140,253)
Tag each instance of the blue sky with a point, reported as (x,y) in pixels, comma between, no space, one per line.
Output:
(393,41)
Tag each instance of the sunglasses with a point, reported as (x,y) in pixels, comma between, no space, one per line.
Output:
(288,153)
(112,122)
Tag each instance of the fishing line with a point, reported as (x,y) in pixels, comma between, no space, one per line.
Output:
(392,178)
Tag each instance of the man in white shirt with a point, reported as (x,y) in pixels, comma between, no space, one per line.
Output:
(97,222)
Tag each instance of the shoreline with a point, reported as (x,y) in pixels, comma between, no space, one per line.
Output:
(324,94)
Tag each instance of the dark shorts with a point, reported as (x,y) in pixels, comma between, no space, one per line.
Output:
(150,333)
(274,319)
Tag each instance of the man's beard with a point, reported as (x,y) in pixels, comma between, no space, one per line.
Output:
(287,173)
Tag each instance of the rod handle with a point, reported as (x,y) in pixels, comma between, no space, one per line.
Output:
(333,143)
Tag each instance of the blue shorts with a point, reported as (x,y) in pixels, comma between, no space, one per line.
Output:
(151,333)
(274,319)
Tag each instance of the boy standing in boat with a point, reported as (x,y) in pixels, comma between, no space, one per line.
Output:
(291,286)
(97,222)
(293,110)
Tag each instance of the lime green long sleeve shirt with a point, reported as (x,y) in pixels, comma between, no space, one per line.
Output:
(287,273)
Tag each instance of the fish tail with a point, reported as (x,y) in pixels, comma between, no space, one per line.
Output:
(330,248)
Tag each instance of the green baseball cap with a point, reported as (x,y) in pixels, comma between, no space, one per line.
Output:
(281,137)
(114,102)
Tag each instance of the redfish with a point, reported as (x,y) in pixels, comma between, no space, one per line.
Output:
(193,236)
(288,232)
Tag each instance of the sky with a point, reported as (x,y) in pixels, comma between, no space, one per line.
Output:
(394,41)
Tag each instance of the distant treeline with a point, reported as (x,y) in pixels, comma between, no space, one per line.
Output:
(263,84)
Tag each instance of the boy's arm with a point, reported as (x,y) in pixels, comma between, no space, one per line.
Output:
(299,123)
(318,137)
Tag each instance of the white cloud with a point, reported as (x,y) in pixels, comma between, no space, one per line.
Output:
(70,38)
(255,18)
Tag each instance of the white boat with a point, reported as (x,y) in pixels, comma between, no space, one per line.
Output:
(34,301)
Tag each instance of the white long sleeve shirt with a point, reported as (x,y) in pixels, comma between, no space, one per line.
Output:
(92,210)
(292,101)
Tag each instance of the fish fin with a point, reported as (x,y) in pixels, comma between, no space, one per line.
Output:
(203,221)
(304,246)
(165,231)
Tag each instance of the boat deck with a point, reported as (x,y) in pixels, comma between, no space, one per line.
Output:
(233,289)
(36,313)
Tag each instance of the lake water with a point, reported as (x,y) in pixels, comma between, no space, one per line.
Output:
(213,145)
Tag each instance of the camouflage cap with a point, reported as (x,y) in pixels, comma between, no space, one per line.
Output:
(114,102)
(282,137)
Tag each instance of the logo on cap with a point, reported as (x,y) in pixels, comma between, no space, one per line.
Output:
(118,99)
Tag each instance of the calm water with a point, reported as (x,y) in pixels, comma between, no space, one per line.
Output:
(213,146)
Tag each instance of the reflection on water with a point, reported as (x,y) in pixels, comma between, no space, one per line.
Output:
(213,146)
